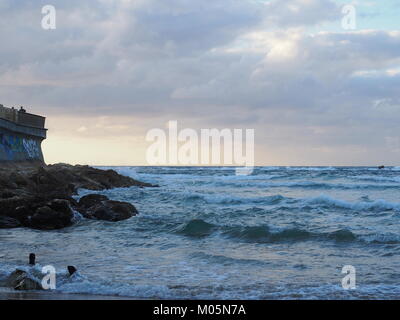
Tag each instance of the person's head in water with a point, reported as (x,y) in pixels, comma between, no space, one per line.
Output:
(71,270)
(32,259)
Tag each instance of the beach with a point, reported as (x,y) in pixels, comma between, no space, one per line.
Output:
(8,294)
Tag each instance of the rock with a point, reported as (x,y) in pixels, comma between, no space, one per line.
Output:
(93,179)
(15,277)
(21,280)
(40,197)
(7,222)
(19,179)
(99,207)
(61,206)
(30,211)
(56,214)
(90,200)
(8,206)
(28,284)
(113,211)
(7,195)
(51,186)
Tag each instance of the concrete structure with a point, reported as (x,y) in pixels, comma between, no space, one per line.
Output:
(21,135)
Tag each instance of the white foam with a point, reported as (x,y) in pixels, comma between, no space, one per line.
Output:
(230,199)
(374,205)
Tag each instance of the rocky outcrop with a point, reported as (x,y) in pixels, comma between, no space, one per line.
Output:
(55,214)
(41,197)
(91,178)
(99,207)
(35,212)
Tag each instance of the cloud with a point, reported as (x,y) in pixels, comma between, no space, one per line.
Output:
(223,63)
(294,13)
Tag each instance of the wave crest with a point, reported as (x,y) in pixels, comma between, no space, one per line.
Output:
(196,228)
(267,234)
(377,205)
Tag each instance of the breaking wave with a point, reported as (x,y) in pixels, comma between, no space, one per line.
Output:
(327,201)
(229,199)
(322,201)
(196,228)
(267,234)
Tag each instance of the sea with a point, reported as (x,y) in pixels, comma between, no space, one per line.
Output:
(207,233)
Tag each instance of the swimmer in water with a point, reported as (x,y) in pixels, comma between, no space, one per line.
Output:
(32,259)
(71,270)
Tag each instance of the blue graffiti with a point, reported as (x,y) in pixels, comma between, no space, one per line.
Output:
(17,148)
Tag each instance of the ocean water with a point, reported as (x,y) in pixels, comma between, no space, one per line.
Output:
(205,233)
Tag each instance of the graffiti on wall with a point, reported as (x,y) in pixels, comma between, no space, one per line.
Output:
(19,148)
(32,148)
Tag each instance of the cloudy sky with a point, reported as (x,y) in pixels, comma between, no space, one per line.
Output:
(315,93)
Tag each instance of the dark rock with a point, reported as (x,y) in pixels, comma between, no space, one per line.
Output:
(99,207)
(7,222)
(15,277)
(51,186)
(61,206)
(8,206)
(93,179)
(7,195)
(113,211)
(27,195)
(21,280)
(56,214)
(19,179)
(27,283)
(90,200)
(32,211)
(23,214)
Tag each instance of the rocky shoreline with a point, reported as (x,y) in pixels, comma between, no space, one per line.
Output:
(41,197)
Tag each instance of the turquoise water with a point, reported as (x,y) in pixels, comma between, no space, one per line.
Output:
(280,233)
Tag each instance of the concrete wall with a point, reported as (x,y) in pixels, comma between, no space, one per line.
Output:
(21,136)
(31,131)
(8,113)
(16,146)
(22,117)
(29,119)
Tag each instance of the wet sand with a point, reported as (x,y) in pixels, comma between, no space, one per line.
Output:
(7,294)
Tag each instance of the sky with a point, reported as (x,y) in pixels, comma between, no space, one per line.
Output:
(314,92)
